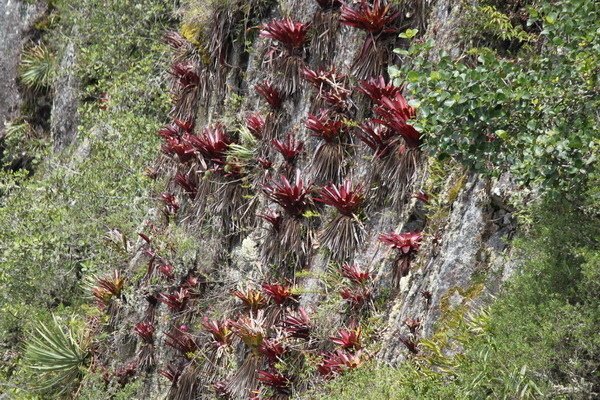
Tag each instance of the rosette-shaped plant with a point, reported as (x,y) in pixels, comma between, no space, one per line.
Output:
(279,294)
(377,88)
(212,143)
(289,148)
(355,274)
(394,112)
(348,339)
(256,125)
(285,56)
(182,340)
(378,19)
(176,301)
(186,74)
(107,288)
(275,380)
(338,362)
(293,198)
(252,299)
(187,183)
(331,87)
(270,93)
(406,244)
(297,325)
(328,158)
(345,232)
(145,330)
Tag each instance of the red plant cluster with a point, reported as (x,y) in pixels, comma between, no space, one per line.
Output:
(220,331)
(375,18)
(346,199)
(356,297)
(355,274)
(255,124)
(166,270)
(290,34)
(379,138)
(294,199)
(331,86)
(253,299)
(338,362)
(172,373)
(413,324)
(297,325)
(272,349)
(174,39)
(275,380)
(290,148)
(270,93)
(186,74)
(182,340)
(145,330)
(175,301)
(272,217)
(394,112)
(279,294)
(324,126)
(212,143)
(348,339)
(107,288)
(376,89)
(180,146)
(406,243)
(186,182)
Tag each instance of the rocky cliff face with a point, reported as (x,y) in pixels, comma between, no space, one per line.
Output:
(16,23)
(466,224)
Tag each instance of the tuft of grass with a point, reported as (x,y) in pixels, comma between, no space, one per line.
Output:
(38,67)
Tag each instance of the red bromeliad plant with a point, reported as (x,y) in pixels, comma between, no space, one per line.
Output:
(378,19)
(286,57)
(328,158)
(250,330)
(270,93)
(186,74)
(293,198)
(253,299)
(182,340)
(279,294)
(338,362)
(291,35)
(331,87)
(273,218)
(181,147)
(108,288)
(166,270)
(213,144)
(256,125)
(187,183)
(394,112)
(325,126)
(273,349)
(413,325)
(274,379)
(220,331)
(172,373)
(290,148)
(145,330)
(348,339)
(407,244)
(356,297)
(345,232)
(379,138)
(297,325)
(175,301)
(410,342)
(355,274)
(187,126)
(376,89)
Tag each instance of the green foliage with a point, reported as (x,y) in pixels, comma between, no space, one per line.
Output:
(535,114)
(58,353)
(38,67)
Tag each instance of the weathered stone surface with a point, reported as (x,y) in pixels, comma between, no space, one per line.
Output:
(16,21)
(64,117)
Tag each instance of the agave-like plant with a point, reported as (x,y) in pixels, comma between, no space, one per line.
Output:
(345,232)
(59,354)
(181,147)
(219,330)
(38,67)
(290,148)
(378,19)
(107,288)
(212,144)
(376,88)
(279,294)
(407,244)
(394,112)
(250,330)
(275,380)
